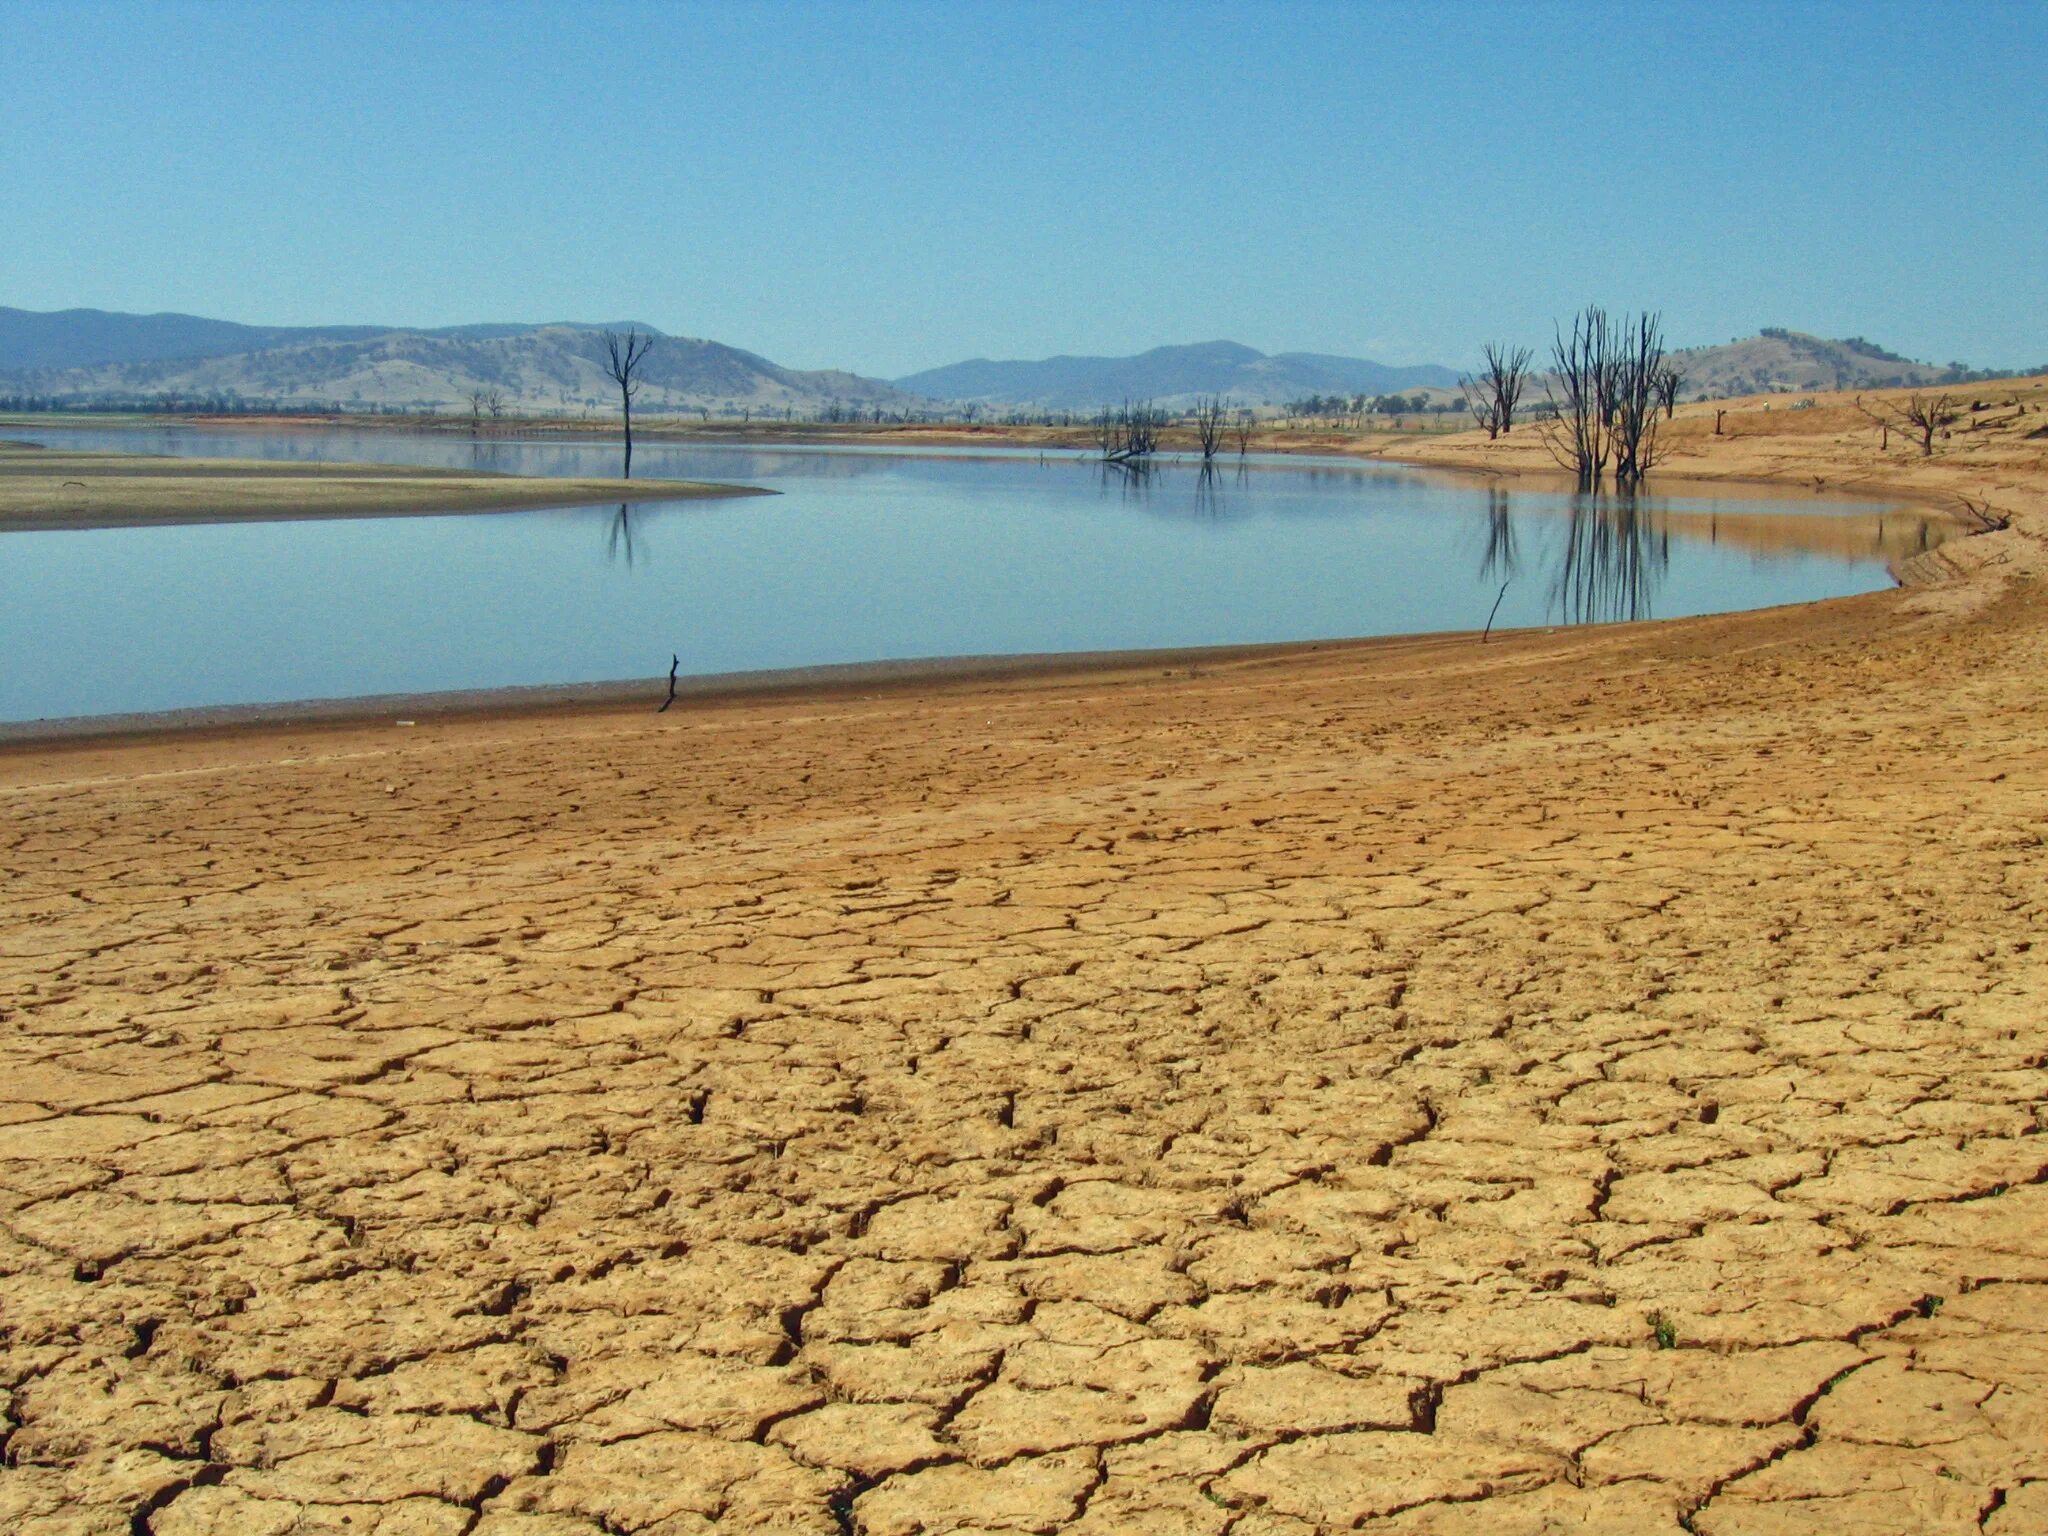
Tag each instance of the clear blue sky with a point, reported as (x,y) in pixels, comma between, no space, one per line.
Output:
(890,187)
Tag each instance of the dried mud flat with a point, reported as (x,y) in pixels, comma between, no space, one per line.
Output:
(1587,1082)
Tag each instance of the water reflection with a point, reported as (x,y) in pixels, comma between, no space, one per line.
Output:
(1130,478)
(619,537)
(1500,558)
(1610,563)
(488,458)
(861,556)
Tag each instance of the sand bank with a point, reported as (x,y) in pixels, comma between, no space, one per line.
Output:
(49,488)
(1588,1081)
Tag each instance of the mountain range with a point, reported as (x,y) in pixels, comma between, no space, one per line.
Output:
(1171,377)
(95,354)
(86,355)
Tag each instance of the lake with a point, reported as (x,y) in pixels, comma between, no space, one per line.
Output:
(866,555)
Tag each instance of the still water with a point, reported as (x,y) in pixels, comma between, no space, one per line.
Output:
(864,556)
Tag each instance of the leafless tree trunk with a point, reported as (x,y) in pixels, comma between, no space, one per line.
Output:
(1583,366)
(1639,360)
(1209,426)
(1921,417)
(476,410)
(1244,435)
(1131,433)
(1607,370)
(494,402)
(1479,401)
(625,354)
(1507,374)
(1670,379)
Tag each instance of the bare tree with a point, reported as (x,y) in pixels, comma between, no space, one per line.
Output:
(1920,416)
(1583,366)
(1129,434)
(1607,370)
(476,409)
(1479,401)
(1507,374)
(1670,379)
(494,402)
(1632,402)
(625,354)
(1243,431)
(1209,426)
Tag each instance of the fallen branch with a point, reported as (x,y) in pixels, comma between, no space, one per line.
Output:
(1503,592)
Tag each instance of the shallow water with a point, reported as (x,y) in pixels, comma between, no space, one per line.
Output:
(865,556)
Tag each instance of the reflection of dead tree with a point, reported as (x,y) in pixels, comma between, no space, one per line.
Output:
(1670,380)
(1500,557)
(624,357)
(1920,416)
(620,539)
(1610,565)
(1209,426)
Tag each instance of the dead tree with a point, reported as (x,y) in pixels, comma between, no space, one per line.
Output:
(1243,430)
(1607,371)
(1583,366)
(1920,416)
(1633,398)
(1209,426)
(1507,374)
(625,354)
(1479,402)
(1129,434)
(1670,379)
(476,410)
(1108,434)
(494,402)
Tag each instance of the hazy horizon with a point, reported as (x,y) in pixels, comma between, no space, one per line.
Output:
(897,189)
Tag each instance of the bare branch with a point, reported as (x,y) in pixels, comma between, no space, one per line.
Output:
(1920,416)
(626,354)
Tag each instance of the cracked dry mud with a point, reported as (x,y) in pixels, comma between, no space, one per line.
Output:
(1591,1082)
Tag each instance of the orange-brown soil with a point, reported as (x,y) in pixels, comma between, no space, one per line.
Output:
(1591,1081)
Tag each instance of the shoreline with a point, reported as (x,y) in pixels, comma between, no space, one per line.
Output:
(911,675)
(50,490)
(832,680)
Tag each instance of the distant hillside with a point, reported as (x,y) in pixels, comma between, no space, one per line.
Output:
(1791,361)
(1169,376)
(535,368)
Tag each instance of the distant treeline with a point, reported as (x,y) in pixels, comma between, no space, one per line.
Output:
(1367,405)
(200,405)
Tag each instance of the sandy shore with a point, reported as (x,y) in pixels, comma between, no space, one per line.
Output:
(51,488)
(1591,1082)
